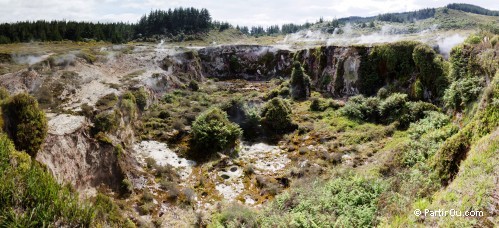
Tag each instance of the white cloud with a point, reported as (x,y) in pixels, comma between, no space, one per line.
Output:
(242,12)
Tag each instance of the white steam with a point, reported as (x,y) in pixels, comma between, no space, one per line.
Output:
(27,59)
(352,34)
(445,44)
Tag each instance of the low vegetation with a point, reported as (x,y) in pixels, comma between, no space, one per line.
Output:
(25,123)
(30,197)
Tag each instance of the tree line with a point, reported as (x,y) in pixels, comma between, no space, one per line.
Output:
(158,22)
(472,9)
(407,16)
(64,30)
(174,22)
(273,29)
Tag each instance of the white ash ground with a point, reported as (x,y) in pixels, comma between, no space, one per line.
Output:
(163,156)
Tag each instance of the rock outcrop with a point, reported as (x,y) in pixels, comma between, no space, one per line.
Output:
(74,157)
(249,62)
(333,70)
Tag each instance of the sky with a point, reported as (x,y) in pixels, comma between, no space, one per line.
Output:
(237,12)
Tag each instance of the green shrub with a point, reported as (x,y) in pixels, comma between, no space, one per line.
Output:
(383,93)
(276,116)
(169,98)
(25,123)
(193,85)
(87,110)
(31,197)
(103,138)
(271,94)
(248,118)
(361,108)
(317,104)
(462,91)
(392,60)
(335,104)
(300,83)
(393,107)
(213,132)
(285,91)
(106,102)
(494,40)
(128,106)
(129,96)
(431,72)
(345,201)
(418,110)
(473,39)
(448,158)
(106,122)
(354,108)
(417,91)
(141,97)
(4,94)
(107,211)
(427,135)
(235,216)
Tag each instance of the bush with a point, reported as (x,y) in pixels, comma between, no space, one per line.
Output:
(31,197)
(87,110)
(317,104)
(106,122)
(473,39)
(193,85)
(235,216)
(361,108)
(393,107)
(129,106)
(248,118)
(276,116)
(383,93)
(4,94)
(141,97)
(354,108)
(213,132)
(418,110)
(106,102)
(107,210)
(427,135)
(431,71)
(345,201)
(300,83)
(271,94)
(25,123)
(462,91)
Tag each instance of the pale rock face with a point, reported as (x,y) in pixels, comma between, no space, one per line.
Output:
(65,124)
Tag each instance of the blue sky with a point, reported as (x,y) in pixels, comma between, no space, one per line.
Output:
(249,12)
